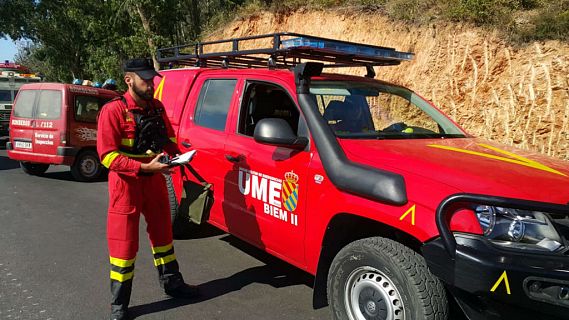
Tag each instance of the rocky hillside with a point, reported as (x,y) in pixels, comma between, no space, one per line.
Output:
(514,95)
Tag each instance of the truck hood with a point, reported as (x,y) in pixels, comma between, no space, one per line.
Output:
(470,165)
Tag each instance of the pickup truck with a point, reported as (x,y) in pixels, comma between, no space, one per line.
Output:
(391,205)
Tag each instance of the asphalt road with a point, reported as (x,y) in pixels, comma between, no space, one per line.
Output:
(54,261)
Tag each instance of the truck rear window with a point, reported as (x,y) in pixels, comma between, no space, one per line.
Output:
(213,104)
(24,107)
(49,104)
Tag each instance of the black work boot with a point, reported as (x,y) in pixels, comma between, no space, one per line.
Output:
(121,298)
(183,291)
(119,314)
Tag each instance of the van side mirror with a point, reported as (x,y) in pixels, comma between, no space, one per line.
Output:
(278,132)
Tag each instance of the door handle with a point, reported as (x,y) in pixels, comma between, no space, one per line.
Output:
(232,158)
(186,144)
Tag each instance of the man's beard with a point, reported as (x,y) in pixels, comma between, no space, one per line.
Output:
(144,95)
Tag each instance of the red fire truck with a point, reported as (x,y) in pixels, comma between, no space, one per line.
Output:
(12,77)
(56,124)
(394,208)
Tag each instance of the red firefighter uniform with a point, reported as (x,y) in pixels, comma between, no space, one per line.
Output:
(132,192)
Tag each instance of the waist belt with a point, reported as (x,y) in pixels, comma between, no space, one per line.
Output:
(146,174)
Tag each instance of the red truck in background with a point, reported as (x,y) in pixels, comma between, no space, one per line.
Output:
(394,208)
(56,124)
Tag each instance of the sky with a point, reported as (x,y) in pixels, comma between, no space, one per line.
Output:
(7,49)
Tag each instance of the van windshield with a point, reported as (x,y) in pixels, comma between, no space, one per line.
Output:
(364,110)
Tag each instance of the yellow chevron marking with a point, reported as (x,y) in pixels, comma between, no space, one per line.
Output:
(503,277)
(159,89)
(516,158)
(412,212)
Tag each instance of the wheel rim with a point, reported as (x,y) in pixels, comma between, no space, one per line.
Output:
(371,295)
(88,167)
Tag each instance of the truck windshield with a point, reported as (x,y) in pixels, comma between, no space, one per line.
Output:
(364,110)
(5,96)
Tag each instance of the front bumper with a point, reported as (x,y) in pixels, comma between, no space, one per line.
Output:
(492,282)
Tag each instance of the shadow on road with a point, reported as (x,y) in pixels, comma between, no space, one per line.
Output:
(59,175)
(200,232)
(275,273)
(8,164)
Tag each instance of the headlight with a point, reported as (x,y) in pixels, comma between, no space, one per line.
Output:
(518,228)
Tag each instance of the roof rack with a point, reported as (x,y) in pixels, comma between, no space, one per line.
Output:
(280,50)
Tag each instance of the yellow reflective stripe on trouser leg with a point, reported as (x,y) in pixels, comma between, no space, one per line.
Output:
(121,262)
(162,249)
(173,139)
(164,260)
(121,277)
(109,158)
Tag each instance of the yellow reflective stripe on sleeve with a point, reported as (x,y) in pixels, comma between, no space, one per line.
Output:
(109,158)
(162,249)
(122,263)
(130,155)
(164,260)
(121,277)
(173,139)
(127,142)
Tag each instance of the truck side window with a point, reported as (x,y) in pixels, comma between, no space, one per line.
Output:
(213,103)
(263,100)
(87,108)
(24,107)
(49,104)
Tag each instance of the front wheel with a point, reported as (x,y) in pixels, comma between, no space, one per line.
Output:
(182,227)
(35,169)
(377,278)
(87,166)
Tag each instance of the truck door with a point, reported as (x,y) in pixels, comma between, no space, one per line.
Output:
(49,122)
(203,128)
(265,189)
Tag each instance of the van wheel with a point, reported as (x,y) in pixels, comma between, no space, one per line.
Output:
(35,169)
(182,227)
(87,166)
(378,278)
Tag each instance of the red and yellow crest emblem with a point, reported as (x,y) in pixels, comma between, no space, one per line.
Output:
(289,193)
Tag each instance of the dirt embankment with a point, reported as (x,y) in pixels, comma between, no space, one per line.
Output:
(514,95)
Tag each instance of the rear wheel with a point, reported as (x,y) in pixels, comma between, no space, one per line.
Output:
(377,278)
(35,169)
(87,166)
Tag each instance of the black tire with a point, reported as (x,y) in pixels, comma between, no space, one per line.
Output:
(87,166)
(377,278)
(182,227)
(34,169)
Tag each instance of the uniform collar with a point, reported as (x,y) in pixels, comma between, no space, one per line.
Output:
(131,104)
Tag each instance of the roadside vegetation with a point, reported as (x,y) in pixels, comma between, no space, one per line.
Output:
(87,39)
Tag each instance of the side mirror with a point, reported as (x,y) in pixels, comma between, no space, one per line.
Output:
(278,132)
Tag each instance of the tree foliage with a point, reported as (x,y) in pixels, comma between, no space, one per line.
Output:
(89,39)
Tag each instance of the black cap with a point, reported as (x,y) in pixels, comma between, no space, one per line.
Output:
(144,68)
